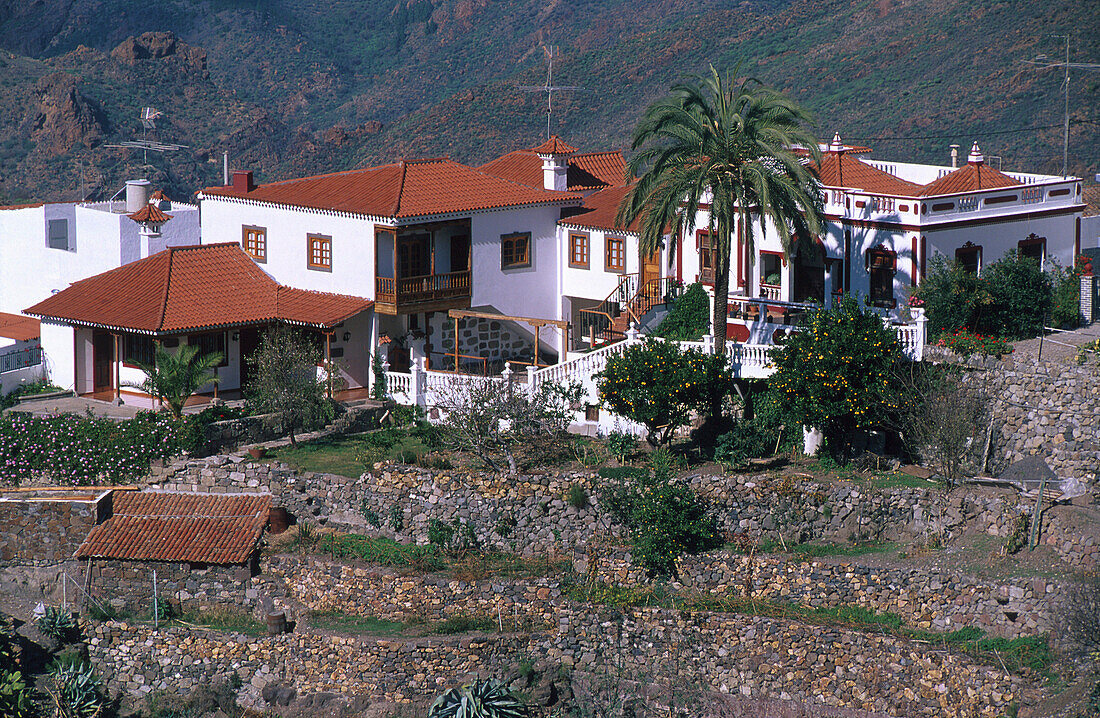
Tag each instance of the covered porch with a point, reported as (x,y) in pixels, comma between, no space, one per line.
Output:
(422,267)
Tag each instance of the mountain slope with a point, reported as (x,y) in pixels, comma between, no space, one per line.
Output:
(291,87)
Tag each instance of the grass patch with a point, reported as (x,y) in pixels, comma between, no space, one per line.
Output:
(814,550)
(1018,655)
(225,620)
(494,564)
(382,551)
(462,623)
(352,455)
(898,480)
(346,623)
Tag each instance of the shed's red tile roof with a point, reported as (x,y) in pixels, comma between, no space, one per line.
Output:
(554,146)
(22,206)
(594,170)
(968,178)
(1091,198)
(159,196)
(196,528)
(193,287)
(839,170)
(19,327)
(404,189)
(601,208)
(150,213)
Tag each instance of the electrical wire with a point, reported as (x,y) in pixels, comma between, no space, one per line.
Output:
(963,132)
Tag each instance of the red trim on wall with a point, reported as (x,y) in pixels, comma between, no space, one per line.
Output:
(875,224)
(913,265)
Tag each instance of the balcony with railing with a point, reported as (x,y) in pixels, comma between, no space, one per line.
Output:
(422,268)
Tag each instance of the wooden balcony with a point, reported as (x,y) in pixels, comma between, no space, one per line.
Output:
(427,293)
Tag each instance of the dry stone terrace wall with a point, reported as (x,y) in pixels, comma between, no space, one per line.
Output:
(530,513)
(752,656)
(936,602)
(1051,409)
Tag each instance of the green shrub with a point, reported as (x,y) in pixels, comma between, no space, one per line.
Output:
(16,698)
(577,497)
(454,539)
(953,298)
(965,343)
(1022,296)
(462,623)
(481,699)
(1065,311)
(750,439)
(689,318)
(621,444)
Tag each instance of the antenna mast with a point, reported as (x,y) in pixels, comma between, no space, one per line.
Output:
(549,88)
(1043,64)
(148,118)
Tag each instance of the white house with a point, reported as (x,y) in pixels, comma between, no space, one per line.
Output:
(422,238)
(885,221)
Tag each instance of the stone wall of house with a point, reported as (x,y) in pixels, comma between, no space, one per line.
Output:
(531,513)
(43,531)
(753,656)
(927,600)
(489,338)
(128,585)
(1042,408)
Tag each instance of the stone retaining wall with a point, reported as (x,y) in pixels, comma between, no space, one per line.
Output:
(229,434)
(531,513)
(752,656)
(930,601)
(1048,409)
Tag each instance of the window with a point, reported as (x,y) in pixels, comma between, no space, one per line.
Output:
(211,343)
(414,257)
(708,256)
(882,264)
(320,252)
(578,250)
(969,256)
(138,348)
(254,243)
(1034,247)
(836,273)
(614,254)
(58,231)
(771,269)
(592,412)
(515,250)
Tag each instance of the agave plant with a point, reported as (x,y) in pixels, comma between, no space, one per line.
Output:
(76,691)
(480,699)
(58,624)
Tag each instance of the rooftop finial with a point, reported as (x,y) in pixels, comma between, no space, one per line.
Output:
(975,157)
(836,145)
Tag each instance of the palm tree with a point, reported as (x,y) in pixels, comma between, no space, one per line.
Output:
(174,377)
(736,142)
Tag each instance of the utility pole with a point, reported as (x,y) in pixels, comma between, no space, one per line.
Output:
(1043,64)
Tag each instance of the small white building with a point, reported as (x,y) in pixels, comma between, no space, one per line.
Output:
(46,247)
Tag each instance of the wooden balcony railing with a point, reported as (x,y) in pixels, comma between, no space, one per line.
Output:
(426,288)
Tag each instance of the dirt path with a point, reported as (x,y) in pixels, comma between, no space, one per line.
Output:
(1057,346)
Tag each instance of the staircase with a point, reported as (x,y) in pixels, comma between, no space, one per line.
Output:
(609,321)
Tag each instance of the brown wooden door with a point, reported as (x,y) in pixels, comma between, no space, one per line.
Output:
(103,361)
(250,339)
(651,267)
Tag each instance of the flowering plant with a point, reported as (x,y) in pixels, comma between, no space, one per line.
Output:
(915,301)
(1083,265)
(965,343)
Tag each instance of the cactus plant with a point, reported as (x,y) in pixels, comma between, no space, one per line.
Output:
(76,691)
(58,625)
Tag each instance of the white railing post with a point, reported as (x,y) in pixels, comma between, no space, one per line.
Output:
(531,382)
(386,377)
(708,343)
(921,336)
(419,383)
(506,378)
(632,335)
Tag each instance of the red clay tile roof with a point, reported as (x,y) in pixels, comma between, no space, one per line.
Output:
(601,209)
(159,196)
(969,177)
(839,170)
(595,170)
(404,189)
(22,206)
(19,327)
(196,528)
(1091,198)
(194,287)
(150,213)
(554,146)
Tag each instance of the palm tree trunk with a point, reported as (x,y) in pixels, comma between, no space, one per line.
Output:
(721,295)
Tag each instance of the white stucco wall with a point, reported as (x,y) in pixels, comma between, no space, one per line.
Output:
(57,354)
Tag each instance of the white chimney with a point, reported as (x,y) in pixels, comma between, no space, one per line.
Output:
(137,195)
(555,172)
(836,145)
(954,156)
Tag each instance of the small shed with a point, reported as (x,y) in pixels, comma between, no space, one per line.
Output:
(198,550)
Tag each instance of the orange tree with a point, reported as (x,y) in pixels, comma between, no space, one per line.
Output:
(838,374)
(657,384)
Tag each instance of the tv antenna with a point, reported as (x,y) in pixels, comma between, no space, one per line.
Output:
(149,117)
(1043,63)
(549,88)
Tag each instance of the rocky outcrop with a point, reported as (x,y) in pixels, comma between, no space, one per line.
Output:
(62,117)
(153,45)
